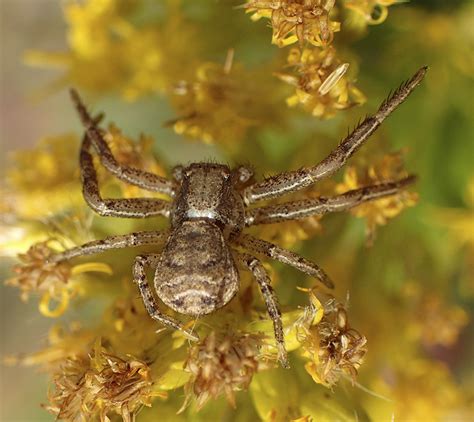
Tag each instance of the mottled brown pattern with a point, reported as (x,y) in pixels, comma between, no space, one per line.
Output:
(196,272)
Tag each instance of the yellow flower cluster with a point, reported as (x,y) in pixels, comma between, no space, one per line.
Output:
(321,84)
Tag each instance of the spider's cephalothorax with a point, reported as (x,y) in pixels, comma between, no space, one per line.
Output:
(209,208)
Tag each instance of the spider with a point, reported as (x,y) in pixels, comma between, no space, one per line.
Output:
(209,208)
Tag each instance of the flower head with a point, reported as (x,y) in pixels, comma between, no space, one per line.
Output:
(321,84)
(297,20)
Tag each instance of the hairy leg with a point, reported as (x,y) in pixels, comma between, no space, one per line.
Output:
(323,205)
(133,208)
(112,242)
(284,183)
(141,178)
(271,301)
(151,260)
(263,247)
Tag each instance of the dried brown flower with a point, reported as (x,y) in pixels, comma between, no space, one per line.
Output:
(36,274)
(100,384)
(221,364)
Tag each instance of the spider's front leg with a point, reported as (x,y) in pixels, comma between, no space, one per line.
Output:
(151,260)
(132,208)
(263,247)
(284,183)
(271,301)
(141,178)
(307,207)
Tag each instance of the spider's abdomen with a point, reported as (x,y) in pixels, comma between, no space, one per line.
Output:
(196,273)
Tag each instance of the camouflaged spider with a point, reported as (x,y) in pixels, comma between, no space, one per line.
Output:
(196,272)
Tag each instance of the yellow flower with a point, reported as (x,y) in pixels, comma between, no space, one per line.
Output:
(101,383)
(322,86)
(296,20)
(378,212)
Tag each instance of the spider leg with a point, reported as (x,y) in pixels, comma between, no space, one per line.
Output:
(323,205)
(133,207)
(287,182)
(141,178)
(151,260)
(271,301)
(112,242)
(263,247)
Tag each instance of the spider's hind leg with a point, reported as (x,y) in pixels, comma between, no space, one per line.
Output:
(271,301)
(151,260)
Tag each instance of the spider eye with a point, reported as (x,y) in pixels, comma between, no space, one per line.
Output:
(177,173)
(245,174)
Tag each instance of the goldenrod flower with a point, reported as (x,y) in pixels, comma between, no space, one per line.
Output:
(297,20)
(334,348)
(320,80)
(378,212)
